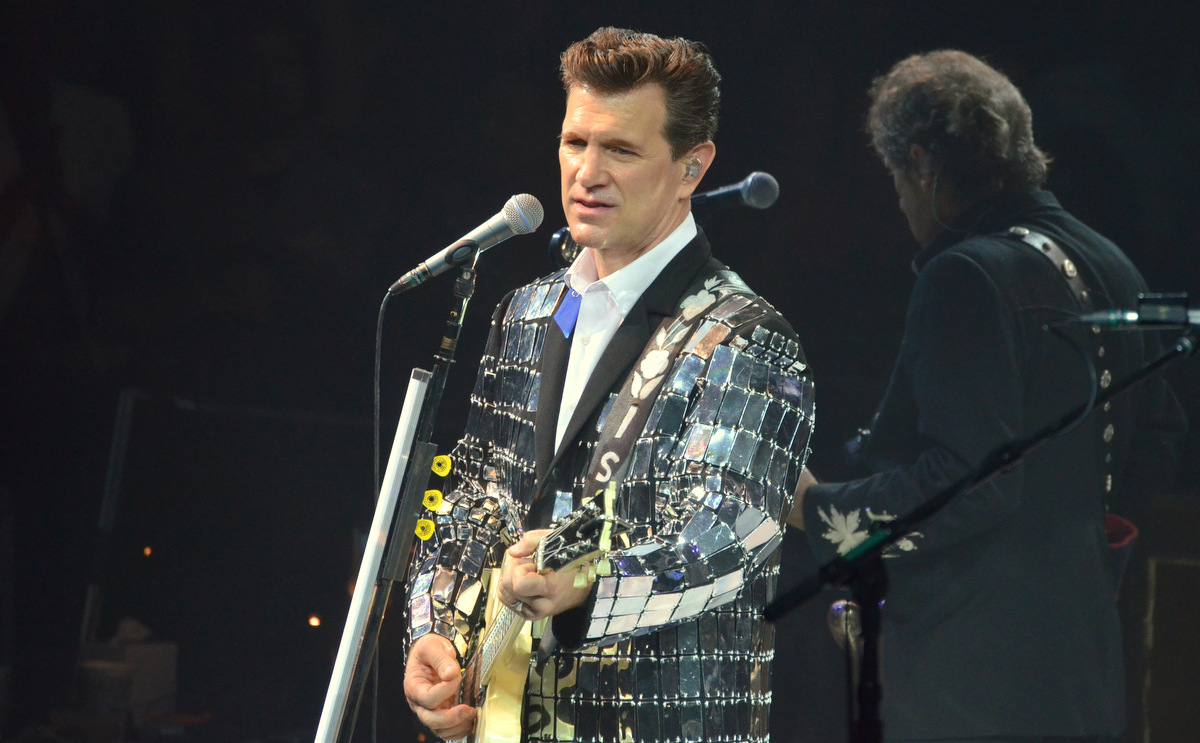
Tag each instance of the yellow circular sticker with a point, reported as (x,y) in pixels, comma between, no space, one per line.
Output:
(432,499)
(424,529)
(441,465)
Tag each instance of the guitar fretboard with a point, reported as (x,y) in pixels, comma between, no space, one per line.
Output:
(506,622)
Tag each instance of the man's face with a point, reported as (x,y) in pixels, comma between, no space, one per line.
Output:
(621,190)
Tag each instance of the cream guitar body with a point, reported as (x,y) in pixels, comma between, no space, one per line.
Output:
(497,667)
(499,712)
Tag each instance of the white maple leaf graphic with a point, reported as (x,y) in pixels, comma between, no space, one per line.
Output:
(843,529)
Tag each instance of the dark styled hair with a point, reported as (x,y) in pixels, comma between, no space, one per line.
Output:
(617,60)
(971,119)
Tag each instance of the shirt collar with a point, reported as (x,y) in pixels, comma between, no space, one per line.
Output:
(631,281)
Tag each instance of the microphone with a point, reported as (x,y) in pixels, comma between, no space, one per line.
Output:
(563,249)
(757,191)
(521,215)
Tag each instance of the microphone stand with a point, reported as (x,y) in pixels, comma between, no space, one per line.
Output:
(390,540)
(862,568)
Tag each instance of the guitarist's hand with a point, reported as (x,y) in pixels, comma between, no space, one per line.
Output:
(544,595)
(431,681)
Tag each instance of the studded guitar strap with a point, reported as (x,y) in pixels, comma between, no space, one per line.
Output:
(1121,532)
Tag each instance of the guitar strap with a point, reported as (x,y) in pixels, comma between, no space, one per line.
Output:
(696,326)
(1121,532)
(1066,267)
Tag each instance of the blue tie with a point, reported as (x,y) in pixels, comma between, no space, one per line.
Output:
(568,312)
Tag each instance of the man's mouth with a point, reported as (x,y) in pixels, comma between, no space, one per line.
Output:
(586,206)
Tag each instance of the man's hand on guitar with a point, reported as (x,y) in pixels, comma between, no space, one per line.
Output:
(542,595)
(431,681)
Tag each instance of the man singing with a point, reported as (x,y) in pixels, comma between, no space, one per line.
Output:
(646,363)
(1000,619)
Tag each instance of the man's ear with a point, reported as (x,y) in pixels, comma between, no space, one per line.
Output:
(922,161)
(695,164)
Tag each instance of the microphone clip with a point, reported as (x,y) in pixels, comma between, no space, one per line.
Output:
(461,252)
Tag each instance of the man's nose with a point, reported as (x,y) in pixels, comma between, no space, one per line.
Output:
(591,168)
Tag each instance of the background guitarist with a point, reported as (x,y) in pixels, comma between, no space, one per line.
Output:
(648,362)
(1000,623)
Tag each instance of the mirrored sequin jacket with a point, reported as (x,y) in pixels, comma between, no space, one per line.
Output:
(670,647)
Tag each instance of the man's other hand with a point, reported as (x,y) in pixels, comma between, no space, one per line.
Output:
(431,682)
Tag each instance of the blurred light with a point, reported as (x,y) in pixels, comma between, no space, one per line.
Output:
(146,550)
(314,621)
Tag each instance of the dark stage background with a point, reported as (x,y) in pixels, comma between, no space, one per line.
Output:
(202,204)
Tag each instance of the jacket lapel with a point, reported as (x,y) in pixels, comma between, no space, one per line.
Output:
(622,351)
(556,351)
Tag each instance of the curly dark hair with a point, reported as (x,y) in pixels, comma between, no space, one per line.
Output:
(972,120)
(617,60)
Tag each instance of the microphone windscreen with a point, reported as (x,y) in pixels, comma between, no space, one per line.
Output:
(760,190)
(523,213)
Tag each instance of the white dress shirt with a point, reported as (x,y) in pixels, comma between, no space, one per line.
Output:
(603,307)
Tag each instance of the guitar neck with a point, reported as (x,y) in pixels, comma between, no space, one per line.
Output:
(505,627)
(579,539)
